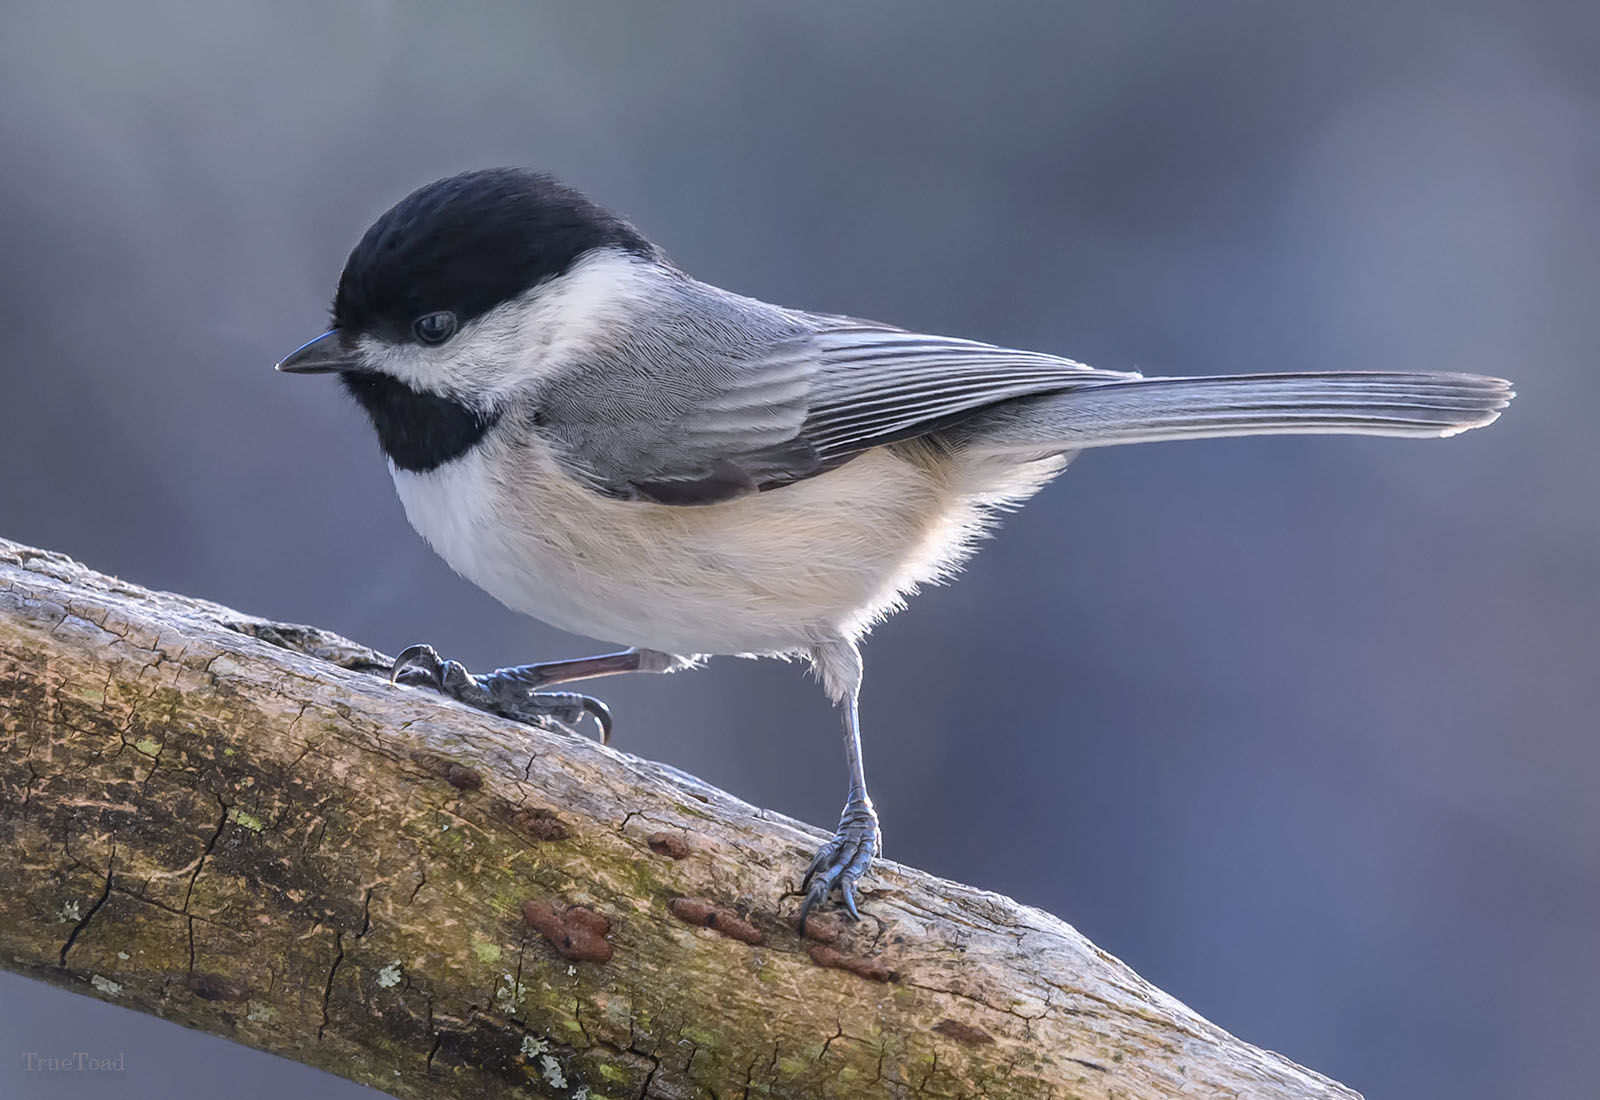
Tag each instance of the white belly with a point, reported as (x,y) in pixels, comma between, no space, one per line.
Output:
(773,572)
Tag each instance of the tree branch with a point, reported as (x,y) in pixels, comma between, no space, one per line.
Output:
(237,825)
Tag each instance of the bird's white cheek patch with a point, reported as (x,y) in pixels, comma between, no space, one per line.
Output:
(558,323)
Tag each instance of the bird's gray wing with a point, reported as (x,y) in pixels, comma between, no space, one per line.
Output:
(805,397)
(877,385)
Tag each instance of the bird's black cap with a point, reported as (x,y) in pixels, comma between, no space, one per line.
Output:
(467,244)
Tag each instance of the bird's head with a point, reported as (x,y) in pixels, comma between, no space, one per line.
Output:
(457,295)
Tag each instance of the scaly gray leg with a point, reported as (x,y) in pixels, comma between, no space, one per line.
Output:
(843,860)
(514,692)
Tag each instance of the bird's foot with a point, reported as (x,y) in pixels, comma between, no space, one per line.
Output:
(843,860)
(500,692)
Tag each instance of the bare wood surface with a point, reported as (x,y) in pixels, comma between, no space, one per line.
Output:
(240,826)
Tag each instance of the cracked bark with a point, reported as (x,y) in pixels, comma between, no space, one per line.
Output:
(270,843)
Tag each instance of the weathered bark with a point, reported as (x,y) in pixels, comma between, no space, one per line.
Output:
(237,825)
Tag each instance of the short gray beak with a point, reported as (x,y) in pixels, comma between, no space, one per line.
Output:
(324,355)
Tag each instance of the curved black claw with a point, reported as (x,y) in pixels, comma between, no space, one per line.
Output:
(422,660)
(500,692)
(566,707)
(842,861)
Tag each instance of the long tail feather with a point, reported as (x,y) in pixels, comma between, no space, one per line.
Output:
(1143,410)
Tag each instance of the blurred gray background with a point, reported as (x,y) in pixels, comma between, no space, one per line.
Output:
(1302,729)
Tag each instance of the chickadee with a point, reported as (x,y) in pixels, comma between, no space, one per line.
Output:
(603,442)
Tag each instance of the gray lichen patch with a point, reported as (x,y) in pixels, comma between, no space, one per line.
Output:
(247,820)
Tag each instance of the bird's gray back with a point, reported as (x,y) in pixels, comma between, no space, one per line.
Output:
(705,395)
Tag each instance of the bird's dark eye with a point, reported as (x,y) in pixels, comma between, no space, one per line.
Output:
(435,328)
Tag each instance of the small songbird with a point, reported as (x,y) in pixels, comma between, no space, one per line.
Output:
(603,442)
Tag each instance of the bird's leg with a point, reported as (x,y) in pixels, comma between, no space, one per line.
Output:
(514,692)
(843,860)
